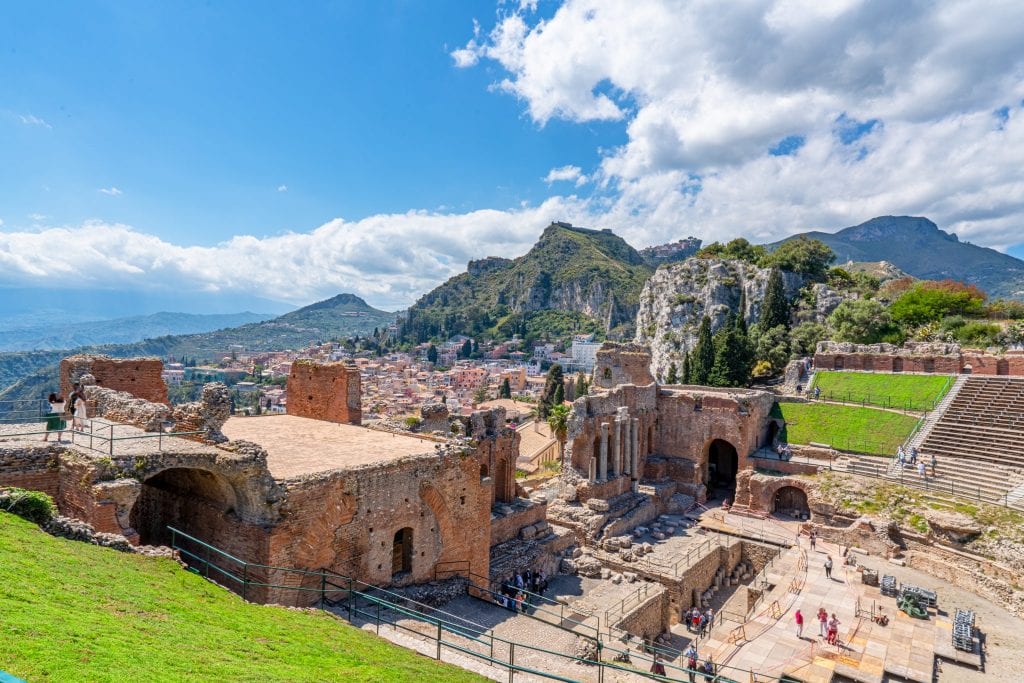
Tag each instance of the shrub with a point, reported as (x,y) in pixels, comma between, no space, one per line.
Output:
(978,333)
(412,422)
(35,506)
(762,369)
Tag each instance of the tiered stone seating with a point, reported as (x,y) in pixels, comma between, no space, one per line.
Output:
(984,424)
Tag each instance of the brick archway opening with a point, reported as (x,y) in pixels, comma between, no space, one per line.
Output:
(791,501)
(195,501)
(722,465)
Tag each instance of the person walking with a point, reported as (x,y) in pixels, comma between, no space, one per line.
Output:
(833,630)
(79,409)
(657,667)
(702,625)
(935,461)
(822,622)
(55,418)
(814,538)
(921,471)
(709,670)
(691,662)
(828,567)
(799,618)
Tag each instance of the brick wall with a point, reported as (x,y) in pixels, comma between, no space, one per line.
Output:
(622,364)
(35,468)
(325,391)
(917,358)
(650,618)
(140,377)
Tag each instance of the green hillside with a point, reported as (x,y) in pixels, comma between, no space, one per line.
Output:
(917,246)
(77,612)
(32,374)
(909,392)
(590,280)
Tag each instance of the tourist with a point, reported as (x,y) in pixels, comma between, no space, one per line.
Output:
(935,462)
(519,601)
(814,538)
(799,389)
(657,667)
(79,411)
(817,393)
(913,455)
(711,618)
(799,618)
(708,669)
(899,456)
(702,625)
(519,581)
(833,630)
(921,471)
(822,621)
(691,662)
(828,566)
(696,620)
(542,582)
(55,418)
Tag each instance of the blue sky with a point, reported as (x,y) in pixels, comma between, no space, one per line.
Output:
(199,113)
(295,150)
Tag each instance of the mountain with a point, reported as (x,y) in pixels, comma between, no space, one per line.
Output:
(917,246)
(572,280)
(28,374)
(65,335)
(673,252)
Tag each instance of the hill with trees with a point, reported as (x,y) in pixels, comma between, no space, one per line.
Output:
(917,246)
(572,280)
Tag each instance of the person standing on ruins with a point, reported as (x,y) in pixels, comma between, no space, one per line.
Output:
(814,538)
(691,662)
(55,418)
(822,621)
(921,471)
(935,461)
(799,618)
(833,630)
(828,567)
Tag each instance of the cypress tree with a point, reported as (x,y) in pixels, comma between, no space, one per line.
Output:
(671,377)
(582,387)
(552,384)
(732,358)
(506,389)
(432,354)
(775,308)
(703,354)
(686,369)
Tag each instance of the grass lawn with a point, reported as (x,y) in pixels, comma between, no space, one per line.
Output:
(852,428)
(912,392)
(76,612)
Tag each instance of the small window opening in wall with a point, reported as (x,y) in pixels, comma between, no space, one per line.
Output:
(380,566)
(462,500)
(401,552)
(406,500)
(423,553)
(371,529)
(698,404)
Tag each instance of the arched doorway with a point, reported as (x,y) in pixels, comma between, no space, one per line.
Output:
(791,501)
(401,552)
(723,463)
(773,433)
(195,501)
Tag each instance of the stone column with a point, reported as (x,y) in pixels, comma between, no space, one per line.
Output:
(616,454)
(627,439)
(635,448)
(602,463)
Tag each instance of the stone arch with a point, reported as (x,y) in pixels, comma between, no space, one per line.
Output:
(445,526)
(767,498)
(790,500)
(720,464)
(197,501)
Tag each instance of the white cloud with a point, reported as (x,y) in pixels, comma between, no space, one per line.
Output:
(566,174)
(282,188)
(705,89)
(112,191)
(32,120)
(37,217)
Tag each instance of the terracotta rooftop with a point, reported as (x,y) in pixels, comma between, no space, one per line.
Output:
(298,446)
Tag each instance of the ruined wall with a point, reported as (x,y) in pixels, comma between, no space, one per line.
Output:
(622,364)
(325,391)
(925,357)
(35,468)
(140,377)
(650,618)
(526,520)
(122,407)
(690,418)
(756,491)
(496,457)
(590,412)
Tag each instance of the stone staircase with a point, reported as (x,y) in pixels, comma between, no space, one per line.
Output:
(931,418)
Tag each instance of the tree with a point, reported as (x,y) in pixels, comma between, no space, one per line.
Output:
(930,301)
(467,349)
(773,346)
(861,321)
(732,364)
(804,338)
(775,309)
(505,391)
(558,421)
(480,395)
(552,383)
(432,354)
(582,386)
(671,377)
(687,379)
(703,354)
(738,248)
(802,255)
(559,397)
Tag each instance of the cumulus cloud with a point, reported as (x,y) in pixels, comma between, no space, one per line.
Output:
(768,118)
(282,188)
(111,191)
(570,173)
(32,120)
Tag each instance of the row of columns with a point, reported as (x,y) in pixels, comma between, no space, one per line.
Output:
(619,446)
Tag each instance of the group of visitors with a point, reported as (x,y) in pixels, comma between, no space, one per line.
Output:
(828,628)
(784,450)
(513,593)
(908,457)
(59,409)
(699,622)
(693,665)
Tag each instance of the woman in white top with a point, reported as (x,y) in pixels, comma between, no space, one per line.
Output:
(78,405)
(55,418)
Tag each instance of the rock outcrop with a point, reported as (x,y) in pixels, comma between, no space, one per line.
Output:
(678,296)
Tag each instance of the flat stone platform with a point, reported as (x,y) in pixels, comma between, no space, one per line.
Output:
(298,446)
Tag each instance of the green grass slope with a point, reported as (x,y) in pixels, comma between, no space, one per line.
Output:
(848,428)
(70,611)
(910,392)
